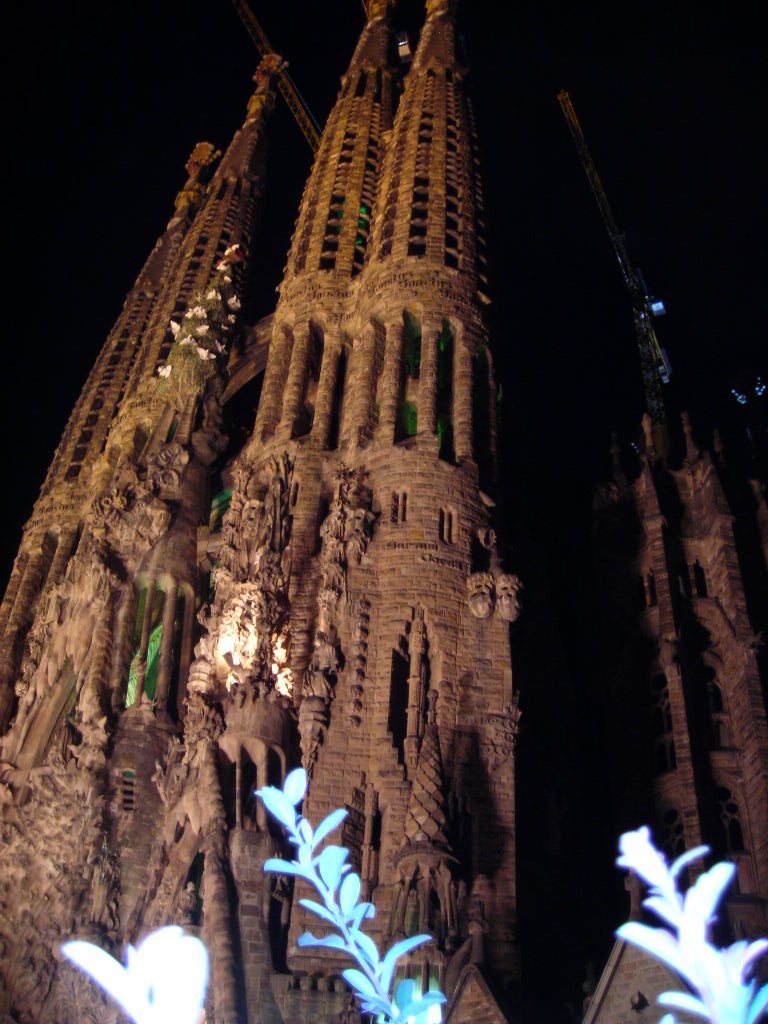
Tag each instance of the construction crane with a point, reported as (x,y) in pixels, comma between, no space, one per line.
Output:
(291,95)
(645,308)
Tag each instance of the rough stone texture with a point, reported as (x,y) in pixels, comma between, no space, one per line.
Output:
(348,610)
(680,674)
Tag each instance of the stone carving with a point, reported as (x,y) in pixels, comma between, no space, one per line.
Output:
(50,860)
(186,906)
(359,663)
(501,736)
(272,64)
(105,888)
(165,467)
(480,590)
(210,440)
(129,516)
(199,167)
(246,621)
(345,533)
(508,590)
(66,632)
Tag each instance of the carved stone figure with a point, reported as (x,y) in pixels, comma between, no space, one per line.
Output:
(508,594)
(165,467)
(480,590)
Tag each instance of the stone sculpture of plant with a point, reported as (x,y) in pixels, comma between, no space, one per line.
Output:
(339,887)
(719,976)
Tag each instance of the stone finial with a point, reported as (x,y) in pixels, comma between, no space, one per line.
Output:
(650,444)
(717,445)
(378,8)
(692,453)
(426,820)
(263,97)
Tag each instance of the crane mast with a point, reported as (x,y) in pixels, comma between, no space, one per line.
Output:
(285,84)
(653,361)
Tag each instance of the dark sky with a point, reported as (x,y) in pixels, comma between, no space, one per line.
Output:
(107,100)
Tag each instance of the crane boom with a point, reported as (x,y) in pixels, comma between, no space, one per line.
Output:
(285,84)
(653,361)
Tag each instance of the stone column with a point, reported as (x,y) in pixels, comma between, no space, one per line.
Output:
(12,590)
(61,557)
(165,660)
(261,779)
(368,871)
(390,385)
(360,385)
(463,389)
(186,649)
(216,898)
(274,382)
(121,648)
(141,658)
(11,644)
(414,724)
(326,389)
(296,383)
(427,419)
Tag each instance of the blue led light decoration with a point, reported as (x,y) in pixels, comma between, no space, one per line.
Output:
(339,887)
(721,989)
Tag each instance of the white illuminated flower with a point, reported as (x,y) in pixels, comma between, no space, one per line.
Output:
(721,977)
(233,302)
(163,982)
(202,329)
(205,353)
(175,328)
(195,311)
(164,371)
(186,341)
(213,296)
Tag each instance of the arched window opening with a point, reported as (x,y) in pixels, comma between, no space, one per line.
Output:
(444,398)
(684,580)
(672,841)
(249,783)
(241,411)
(699,579)
(146,666)
(193,909)
(481,416)
(397,721)
(446,525)
(407,415)
(128,790)
(407,421)
(661,723)
(303,422)
(228,776)
(219,505)
(147,635)
(337,405)
(399,508)
(718,715)
(731,832)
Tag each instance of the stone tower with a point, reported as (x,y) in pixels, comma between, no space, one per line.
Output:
(677,667)
(185,623)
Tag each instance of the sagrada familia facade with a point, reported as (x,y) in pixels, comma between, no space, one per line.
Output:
(185,623)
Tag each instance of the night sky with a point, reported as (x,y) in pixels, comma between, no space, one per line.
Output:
(107,100)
